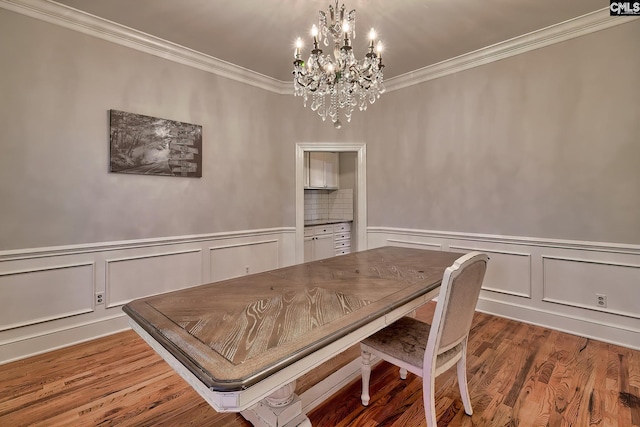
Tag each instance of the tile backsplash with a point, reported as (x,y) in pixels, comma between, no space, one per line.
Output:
(328,204)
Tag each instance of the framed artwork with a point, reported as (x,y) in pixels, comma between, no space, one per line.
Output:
(153,146)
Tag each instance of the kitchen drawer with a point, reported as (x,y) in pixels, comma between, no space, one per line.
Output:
(342,226)
(308,232)
(342,244)
(343,251)
(344,235)
(323,229)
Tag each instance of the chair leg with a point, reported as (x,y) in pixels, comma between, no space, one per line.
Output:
(366,375)
(461,367)
(428,393)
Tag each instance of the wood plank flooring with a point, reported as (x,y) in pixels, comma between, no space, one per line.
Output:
(519,375)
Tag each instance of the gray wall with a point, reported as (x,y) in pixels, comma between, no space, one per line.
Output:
(543,144)
(56,88)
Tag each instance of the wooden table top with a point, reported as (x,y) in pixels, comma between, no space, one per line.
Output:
(234,333)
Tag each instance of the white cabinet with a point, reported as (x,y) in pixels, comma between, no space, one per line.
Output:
(325,241)
(321,169)
(318,242)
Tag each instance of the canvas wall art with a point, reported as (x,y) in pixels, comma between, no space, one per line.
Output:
(153,146)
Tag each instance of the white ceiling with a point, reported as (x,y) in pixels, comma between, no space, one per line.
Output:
(259,34)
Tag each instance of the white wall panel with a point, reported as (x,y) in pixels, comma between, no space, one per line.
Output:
(140,276)
(547,282)
(47,294)
(234,260)
(616,281)
(41,294)
(507,272)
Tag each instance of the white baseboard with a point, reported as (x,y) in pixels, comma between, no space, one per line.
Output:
(35,344)
(575,325)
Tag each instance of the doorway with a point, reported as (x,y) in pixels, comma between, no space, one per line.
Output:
(360,192)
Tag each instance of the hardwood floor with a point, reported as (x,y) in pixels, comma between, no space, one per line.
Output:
(519,375)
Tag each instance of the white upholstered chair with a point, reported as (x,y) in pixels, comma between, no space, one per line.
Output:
(429,350)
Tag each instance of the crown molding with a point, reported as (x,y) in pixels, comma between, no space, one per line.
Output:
(73,19)
(582,25)
(67,17)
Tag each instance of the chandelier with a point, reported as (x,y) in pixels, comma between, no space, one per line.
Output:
(337,83)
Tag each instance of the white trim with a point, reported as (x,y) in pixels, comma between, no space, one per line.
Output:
(112,261)
(52,251)
(494,251)
(57,345)
(56,316)
(504,252)
(236,245)
(47,268)
(503,292)
(557,324)
(130,258)
(589,261)
(361,190)
(580,26)
(41,337)
(409,242)
(577,304)
(73,19)
(48,332)
(610,325)
(619,248)
(588,307)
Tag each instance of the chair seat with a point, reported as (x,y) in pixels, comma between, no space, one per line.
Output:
(406,340)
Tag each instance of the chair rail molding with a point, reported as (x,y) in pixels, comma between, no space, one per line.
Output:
(621,248)
(44,252)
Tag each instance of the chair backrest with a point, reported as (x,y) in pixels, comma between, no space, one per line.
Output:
(456,302)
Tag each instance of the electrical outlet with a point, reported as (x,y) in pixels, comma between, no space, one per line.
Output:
(246,269)
(99,298)
(601,300)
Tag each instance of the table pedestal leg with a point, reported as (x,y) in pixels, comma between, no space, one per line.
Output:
(282,408)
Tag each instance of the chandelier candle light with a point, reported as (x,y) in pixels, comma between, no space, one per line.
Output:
(335,83)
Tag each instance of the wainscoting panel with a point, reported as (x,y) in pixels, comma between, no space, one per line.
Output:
(43,294)
(551,283)
(140,276)
(507,272)
(616,282)
(240,259)
(48,294)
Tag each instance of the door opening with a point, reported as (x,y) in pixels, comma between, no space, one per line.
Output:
(360,191)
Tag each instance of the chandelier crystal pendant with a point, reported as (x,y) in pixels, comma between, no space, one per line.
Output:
(337,83)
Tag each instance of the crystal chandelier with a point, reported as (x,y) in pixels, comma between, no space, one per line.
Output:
(339,82)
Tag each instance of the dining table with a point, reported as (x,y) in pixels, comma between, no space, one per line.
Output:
(241,343)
